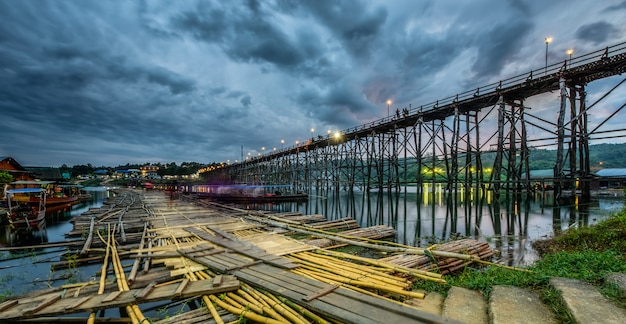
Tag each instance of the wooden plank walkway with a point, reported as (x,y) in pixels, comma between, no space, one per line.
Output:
(264,272)
(228,241)
(181,250)
(57,303)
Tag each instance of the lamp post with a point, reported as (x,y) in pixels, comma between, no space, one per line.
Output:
(548,40)
(570,52)
(282,143)
(388,104)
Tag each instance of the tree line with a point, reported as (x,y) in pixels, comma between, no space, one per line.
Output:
(169,169)
(601,156)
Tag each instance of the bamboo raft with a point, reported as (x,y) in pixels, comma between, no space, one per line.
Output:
(230,263)
(431,262)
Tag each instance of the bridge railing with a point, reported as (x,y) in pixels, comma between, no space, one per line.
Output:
(549,71)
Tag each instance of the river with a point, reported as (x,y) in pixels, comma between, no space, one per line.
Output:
(510,224)
(23,271)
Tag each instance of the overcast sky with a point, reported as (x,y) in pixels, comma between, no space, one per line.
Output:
(116,82)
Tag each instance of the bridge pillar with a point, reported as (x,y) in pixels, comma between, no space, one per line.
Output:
(511,164)
(576,174)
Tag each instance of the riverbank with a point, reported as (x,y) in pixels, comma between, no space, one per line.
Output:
(591,255)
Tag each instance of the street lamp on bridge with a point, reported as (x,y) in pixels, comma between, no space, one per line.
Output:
(388,104)
(570,52)
(548,40)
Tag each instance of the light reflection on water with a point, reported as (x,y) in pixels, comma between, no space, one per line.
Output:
(509,224)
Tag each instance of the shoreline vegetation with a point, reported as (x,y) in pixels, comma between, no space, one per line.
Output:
(588,254)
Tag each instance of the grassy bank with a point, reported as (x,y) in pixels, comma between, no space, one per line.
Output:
(587,254)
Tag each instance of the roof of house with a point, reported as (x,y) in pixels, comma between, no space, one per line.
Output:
(540,174)
(7,160)
(612,172)
(46,173)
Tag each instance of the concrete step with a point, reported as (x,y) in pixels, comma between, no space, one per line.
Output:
(466,306)
(618,279)
(514,305)
(586,304)
(431,303)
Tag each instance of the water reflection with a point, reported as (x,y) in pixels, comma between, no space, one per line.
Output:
(424,215)
(27,270)
(57,221)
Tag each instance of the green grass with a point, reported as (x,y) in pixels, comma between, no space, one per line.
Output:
(587,254)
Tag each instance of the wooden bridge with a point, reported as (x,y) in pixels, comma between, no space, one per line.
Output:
(445,141)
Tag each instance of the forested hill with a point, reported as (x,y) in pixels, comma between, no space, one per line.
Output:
(601,156)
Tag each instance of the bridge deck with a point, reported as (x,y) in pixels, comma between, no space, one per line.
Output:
(578,71)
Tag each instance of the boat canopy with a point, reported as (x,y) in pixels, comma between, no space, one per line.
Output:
(26,190)
(31,182)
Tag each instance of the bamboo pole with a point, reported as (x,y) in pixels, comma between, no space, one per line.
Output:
(281,309)
(192,277)
(245,313)
(105,265)
(367,284)
(307,313)
(329,268)
(85,249)
(133,270)
(287,308)
(243,302)
(133,310)
(415,272)
(387,247)
(358,270)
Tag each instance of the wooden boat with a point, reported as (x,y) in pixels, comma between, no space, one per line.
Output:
(248,194)
(261,199)
(61,194)
(27,208)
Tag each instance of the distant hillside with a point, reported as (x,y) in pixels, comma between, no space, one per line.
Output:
(601,156)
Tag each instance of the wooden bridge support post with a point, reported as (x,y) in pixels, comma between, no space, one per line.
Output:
(453,177)
(585,167)
(417,140)
(559,173)
(497,164)
(579,141)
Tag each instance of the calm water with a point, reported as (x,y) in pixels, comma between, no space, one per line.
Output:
(25,271)
(509,224)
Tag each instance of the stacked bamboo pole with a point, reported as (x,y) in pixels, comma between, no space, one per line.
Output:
(338,224)
(372,232)
(161,237)
(335,271)
(434,262)
(105,266)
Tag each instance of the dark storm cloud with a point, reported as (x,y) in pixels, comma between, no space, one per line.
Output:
(242,34)
(620,6)
(338,105)
(246,100)
(70,88)
(596,33)
(140,81)
(500,47)
(355,23)
(246,36)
